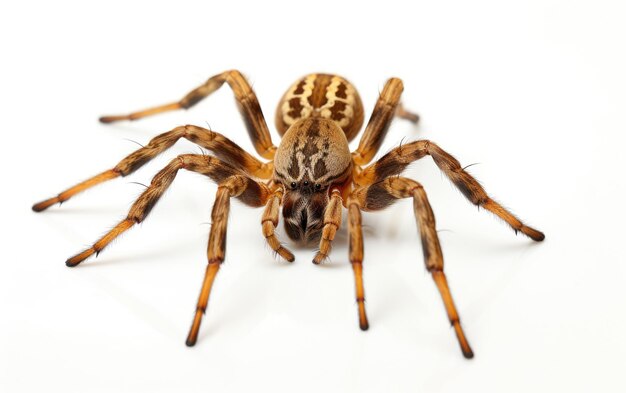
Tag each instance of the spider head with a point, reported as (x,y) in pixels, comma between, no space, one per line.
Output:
(303,210)
(312,156)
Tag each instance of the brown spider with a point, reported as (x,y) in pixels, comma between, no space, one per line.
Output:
(313,175)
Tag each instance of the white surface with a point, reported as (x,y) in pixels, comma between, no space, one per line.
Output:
(533,92)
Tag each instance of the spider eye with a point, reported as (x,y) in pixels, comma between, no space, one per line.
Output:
(318,187)
(306,183)
(293,185)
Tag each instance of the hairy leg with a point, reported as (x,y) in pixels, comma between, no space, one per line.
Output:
(233,186)
(221,146)
(270,222)
(394,162)
(355,231)
(247,102)
(387,106)
(253,194)
(382,194)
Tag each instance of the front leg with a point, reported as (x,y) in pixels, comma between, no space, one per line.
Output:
(254,194)
(382,194)
(232,187)
(221,146)
(396,161)
(355,231)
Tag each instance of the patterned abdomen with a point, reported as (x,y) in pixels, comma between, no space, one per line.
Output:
(328,96)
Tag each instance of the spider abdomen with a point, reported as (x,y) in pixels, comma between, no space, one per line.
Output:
(321,95)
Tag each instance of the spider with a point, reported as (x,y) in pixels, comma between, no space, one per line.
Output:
(313,176)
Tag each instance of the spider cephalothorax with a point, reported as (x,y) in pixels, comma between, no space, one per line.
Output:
(313,176)
(312,157)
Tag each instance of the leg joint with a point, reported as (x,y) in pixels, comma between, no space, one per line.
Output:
(331,223)
(181,161)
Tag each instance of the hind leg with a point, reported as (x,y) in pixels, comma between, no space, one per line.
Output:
(247,102)
(387,106)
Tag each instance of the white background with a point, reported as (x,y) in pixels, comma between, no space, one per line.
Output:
(532,91)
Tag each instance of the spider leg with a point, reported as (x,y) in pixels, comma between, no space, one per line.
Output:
(234,186)
(332,222)
(356,258)
(405,114)
(380,195)
(246,99)
(387,106)
(254,194)
(270,222)
(394,162)
(221,146)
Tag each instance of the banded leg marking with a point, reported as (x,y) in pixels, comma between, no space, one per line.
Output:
(247,103)
(332,222)
(231,187)
(355,231)
(384,193)
(254,194)
(221,146)
(269,223)
(378,125)
(394,162)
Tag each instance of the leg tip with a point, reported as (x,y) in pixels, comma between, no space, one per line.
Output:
(363,322)
(286,254)
(43,205)
(111,119)
(319,258)
(540,237)
(534,234)
(413,118)
(190,343)
(465,347)
(76,259)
